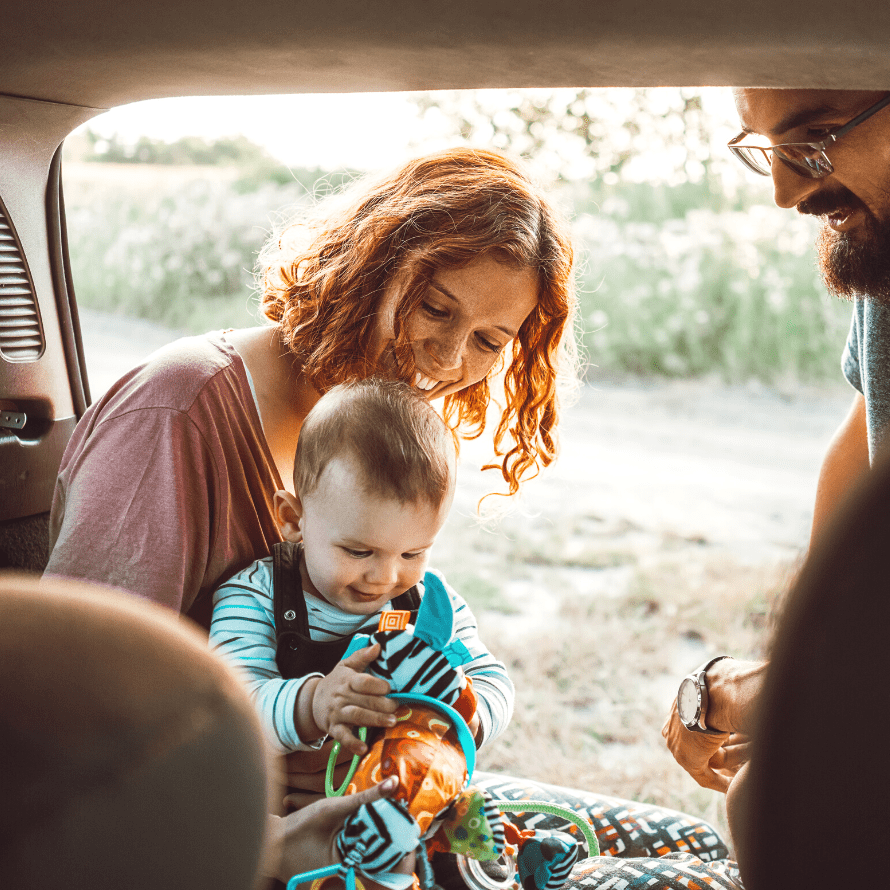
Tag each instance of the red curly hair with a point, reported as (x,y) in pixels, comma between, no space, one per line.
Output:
(439,211)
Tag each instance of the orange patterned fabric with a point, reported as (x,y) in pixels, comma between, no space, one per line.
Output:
(422,750)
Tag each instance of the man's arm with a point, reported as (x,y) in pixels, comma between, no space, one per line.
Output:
(845,462)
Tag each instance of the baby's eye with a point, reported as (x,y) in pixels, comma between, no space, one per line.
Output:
(357,554)
(415,555)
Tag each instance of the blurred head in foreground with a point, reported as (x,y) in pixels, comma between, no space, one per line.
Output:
(129,755)
(818,778)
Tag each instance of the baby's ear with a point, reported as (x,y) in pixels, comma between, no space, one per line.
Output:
(288,509)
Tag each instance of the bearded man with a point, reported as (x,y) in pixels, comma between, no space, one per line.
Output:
(828,153)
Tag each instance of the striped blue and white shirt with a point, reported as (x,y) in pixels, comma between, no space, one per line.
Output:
(243,632)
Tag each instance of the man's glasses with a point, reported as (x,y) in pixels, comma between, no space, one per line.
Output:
(804,158)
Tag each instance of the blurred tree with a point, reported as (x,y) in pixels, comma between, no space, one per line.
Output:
(663,134)
(189,150)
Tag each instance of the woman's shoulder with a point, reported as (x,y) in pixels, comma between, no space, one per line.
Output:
(178,375)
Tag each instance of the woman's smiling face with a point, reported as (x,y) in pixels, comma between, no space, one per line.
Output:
(466,318)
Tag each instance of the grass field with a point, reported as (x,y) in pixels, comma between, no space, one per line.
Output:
(674,282)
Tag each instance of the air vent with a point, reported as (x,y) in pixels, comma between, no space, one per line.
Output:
(21,337)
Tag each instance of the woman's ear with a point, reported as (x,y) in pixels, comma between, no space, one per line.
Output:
(288,509)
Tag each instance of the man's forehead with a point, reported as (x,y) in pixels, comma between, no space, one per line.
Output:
(770,112)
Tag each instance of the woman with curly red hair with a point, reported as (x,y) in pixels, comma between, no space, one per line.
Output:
(368,295)
(449,273)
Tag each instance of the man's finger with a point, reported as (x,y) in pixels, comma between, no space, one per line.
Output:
(707,778)
(731,756)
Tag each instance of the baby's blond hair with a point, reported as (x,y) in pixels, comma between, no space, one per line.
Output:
(402,447)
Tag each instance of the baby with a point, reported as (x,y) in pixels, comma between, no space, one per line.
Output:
(374,480)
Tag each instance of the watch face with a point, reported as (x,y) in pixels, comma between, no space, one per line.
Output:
(688,701)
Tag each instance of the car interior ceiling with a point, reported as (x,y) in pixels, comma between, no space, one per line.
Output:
(63,63)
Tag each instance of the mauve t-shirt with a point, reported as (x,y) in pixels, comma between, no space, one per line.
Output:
(165,489)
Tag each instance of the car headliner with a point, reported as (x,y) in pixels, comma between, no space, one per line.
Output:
(101,53)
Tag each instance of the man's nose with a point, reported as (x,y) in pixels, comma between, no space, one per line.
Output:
(790,188)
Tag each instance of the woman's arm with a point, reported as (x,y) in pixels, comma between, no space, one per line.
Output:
(132,506)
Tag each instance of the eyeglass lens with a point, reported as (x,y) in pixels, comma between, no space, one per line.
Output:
(801,157)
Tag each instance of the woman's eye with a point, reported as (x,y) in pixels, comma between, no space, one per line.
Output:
(487,344)
(434,311)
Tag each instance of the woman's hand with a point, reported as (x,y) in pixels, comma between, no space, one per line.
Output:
(348,697)
(305,839)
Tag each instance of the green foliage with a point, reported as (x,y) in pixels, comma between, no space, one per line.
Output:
(192,150)
(674,280)
(672,286)
(178,252)
(575,133)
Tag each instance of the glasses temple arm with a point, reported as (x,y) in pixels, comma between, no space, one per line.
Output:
(874,109)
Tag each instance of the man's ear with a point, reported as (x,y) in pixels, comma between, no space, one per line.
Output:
(288,509)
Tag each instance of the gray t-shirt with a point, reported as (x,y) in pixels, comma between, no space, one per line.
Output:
(866,365)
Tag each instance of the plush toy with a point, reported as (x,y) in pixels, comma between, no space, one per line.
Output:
(431,751)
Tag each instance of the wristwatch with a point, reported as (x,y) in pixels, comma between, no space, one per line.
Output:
(692,699)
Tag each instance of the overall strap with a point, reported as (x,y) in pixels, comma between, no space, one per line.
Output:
(409,601)
(296,653)
(291,615)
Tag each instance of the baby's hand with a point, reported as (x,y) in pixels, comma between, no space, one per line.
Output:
(347,697)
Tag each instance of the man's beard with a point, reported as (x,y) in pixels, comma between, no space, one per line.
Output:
(852,264)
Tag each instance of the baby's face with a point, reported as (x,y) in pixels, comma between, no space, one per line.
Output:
(362,550)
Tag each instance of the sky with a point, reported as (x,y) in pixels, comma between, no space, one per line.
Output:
(364,131)
(306,130)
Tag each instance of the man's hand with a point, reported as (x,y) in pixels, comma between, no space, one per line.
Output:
(696,752)
(305,839)
(713,759)
(347,697)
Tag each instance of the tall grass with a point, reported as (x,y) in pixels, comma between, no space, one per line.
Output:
(673,281)
(684,285)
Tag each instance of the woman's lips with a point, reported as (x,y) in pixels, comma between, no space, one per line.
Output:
(423,382)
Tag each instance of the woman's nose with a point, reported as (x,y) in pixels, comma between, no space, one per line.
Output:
(790,188)
(447,351)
